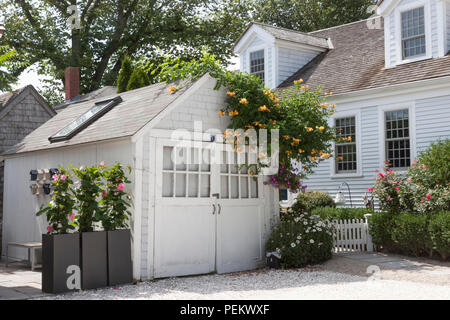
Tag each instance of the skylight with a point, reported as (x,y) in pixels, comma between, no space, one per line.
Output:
(83,121)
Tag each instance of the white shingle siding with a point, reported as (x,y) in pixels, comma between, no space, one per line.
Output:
(290,61)
(448,25)
(432,121)
(203,106)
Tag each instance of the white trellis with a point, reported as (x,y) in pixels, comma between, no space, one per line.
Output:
(352,235)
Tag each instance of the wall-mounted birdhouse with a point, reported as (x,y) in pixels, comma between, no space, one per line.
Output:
(40,174)
(53,171)
(47,175)
(46,188)
(34,189)
(33,175)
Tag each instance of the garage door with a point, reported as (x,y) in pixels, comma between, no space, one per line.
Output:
(208,216)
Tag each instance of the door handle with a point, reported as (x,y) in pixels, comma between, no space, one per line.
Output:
(220,209)
(214,209)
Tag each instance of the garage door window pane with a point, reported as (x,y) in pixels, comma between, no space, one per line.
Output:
(167,185)
(167,158)
(180,185)
(234,187)
(193,186)
(205,186)
(244,187)
(181,159)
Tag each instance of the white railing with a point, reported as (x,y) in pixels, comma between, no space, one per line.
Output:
(352,235)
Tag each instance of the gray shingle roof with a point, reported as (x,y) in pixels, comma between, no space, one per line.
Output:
(357,62)
(136,110)
(290,35)
(9,96)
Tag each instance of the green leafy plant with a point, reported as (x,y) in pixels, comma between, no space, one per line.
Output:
(331,213)
(115,201)
(309,200)
(381,226)
(60,210)
(124,75)
(439,229)
(410,233)
(301,241)
(87,193)
(138,79)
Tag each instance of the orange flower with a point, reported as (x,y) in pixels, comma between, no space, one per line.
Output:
(172,89)
(273,121)
(301,150)
(298,81)
(233,113)
(243,101)
(222,113)
(296,141)
(324,105)
(286,137)
(231,93)
(322,128)
(304,87)
(288,152)
(263,108)
(309,129)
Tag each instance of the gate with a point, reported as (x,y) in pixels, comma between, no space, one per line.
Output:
(352,235)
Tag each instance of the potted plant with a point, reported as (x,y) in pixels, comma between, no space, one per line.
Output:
(60,249)
(115,215)
(93,243)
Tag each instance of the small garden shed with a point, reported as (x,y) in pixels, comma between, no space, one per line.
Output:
(188,218)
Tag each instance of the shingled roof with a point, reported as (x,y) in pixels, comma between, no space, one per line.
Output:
(289,35)
(357,62)
(137,108)
(7,97)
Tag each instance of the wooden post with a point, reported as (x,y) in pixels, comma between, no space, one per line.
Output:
(369,237)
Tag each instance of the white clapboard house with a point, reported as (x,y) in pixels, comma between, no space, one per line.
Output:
(390,76)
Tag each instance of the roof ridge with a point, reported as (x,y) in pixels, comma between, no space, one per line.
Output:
(343,25)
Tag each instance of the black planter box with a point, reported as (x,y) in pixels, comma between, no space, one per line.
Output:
(58,253)
(94,271)
(120,270)
(273,260)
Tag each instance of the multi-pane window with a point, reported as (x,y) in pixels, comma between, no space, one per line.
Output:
(413,33)
(346,157)
(186,172)
(257,64)
(236,182)
(398,151)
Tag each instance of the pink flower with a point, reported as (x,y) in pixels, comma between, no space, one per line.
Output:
(390,171)
(370,189)
(72,216)
(102,164)
(120,186)
(55,177)
(397,188)
(49,229)
(104,193)
(63,177)
(388,199)
(409,179)
(428,196)
(381,175)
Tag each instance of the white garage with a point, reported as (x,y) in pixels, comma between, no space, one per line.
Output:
(194,211)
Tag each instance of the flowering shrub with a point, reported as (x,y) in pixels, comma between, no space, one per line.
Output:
(288,178)
(299,113)
(115,201)
(98,196)
(59,212)
(302,240)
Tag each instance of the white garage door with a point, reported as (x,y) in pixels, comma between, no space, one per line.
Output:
(208,216)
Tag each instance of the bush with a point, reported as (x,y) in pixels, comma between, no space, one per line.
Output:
(381,225)
(439,228)
(410,234)
(310,200)
(437,159)
(303,240)
(341,213)
(138,79)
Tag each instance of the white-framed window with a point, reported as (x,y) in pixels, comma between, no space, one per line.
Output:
(397,138)
(257,63)
(413,33)
(346,156)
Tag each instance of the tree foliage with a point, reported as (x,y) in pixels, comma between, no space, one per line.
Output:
(138,79)
(8,63)
(311,15)
(124,75)
(111,29)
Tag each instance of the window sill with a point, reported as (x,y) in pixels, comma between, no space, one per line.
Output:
(346,175)
(413,59)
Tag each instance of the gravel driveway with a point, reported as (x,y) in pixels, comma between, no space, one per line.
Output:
(269,284)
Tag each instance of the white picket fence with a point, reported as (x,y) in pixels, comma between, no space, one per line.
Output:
(352,235)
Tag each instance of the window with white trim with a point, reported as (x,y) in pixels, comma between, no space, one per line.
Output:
(257,64)
(413,33)
(398,151)
(345,148)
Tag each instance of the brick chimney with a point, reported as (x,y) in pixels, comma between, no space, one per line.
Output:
(72,86)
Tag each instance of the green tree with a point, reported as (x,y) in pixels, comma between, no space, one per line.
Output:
(124,75)
(111,29)
(7,58)
(138,79)
(311,15)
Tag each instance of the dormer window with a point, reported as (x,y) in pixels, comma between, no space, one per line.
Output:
(413,33)
(257,64)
